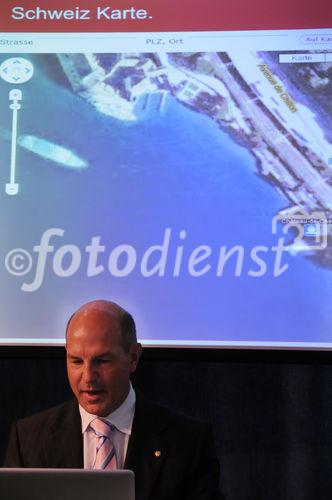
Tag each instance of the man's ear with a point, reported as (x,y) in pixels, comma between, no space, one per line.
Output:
(135,354)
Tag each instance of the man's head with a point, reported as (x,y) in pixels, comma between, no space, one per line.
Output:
(102,352)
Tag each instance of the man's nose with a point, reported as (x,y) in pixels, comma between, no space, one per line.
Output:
(90,374)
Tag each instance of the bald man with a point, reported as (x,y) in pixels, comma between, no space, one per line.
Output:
(172,456)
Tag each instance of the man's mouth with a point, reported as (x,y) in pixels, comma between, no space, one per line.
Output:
(92,395)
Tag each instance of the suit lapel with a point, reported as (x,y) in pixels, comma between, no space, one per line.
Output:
(147,448)
(66,441)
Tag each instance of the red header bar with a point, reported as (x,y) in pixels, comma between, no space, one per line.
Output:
(162,15)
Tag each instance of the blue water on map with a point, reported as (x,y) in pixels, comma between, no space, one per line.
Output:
(175,170)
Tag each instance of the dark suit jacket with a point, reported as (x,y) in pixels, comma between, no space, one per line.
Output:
(185,469)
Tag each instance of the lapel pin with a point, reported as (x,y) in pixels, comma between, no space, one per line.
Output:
(157,453)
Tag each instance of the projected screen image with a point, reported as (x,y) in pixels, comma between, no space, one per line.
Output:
(193,187)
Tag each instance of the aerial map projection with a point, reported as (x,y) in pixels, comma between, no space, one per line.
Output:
(194,188)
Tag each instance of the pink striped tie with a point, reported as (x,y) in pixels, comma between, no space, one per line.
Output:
(105,452)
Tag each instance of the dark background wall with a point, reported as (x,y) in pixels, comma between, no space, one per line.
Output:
(271,411)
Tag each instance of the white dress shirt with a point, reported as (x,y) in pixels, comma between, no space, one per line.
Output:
(122,419)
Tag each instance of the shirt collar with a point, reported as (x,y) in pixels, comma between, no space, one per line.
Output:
(122,418)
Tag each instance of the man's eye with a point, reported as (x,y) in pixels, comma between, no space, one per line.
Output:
(76,361)
(103,361)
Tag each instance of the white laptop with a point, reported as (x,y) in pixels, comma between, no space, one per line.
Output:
(66,484)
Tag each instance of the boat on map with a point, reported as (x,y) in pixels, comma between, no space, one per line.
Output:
(48,150)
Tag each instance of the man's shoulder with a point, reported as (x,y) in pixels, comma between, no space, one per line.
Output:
(52,416)
(163,416)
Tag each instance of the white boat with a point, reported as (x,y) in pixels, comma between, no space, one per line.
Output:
(46,149)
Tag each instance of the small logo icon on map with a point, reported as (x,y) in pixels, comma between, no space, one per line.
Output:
(311,228)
